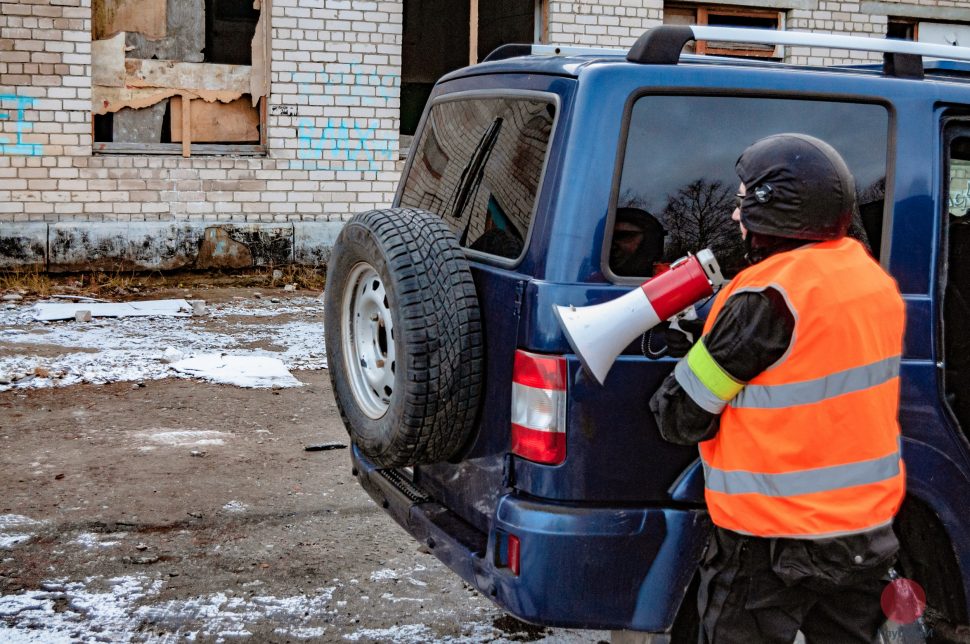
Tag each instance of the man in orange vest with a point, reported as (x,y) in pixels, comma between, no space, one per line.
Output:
(792,394)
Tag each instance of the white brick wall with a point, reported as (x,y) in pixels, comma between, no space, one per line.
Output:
(336,66)
(336,62)
(602,23)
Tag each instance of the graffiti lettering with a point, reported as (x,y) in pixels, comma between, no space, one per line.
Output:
(342,139)
(354,141)
(21,126)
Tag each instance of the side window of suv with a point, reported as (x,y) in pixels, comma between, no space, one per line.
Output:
(956,294)
(678,182)
(478,165)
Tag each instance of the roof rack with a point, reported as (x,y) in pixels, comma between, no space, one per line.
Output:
(662,46)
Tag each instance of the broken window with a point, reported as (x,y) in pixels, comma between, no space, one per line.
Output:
(721,16)
(441,36)
(180,76)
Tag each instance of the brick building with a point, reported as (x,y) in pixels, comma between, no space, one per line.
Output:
(290,115)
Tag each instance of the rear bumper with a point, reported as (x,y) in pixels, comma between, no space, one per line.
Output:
(581,567)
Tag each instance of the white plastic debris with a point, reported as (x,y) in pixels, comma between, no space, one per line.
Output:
(242,371)
(47,311)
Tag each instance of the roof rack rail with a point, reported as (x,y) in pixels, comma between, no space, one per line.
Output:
(662,45)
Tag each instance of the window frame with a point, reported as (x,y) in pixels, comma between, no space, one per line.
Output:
(702,13)
(537,95)
(188,149)
(885,241)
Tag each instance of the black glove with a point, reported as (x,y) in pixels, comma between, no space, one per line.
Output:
(678,344)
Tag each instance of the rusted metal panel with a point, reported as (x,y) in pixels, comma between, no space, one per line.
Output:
(237,121)
(147,17)
(23,245)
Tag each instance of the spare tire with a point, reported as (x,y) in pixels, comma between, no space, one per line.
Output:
(403,335)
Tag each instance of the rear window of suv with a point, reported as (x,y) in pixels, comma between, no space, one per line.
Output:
(478,165)
(678,182)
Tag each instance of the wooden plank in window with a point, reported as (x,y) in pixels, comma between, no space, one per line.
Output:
(147,17)
(234,122)
(737,17)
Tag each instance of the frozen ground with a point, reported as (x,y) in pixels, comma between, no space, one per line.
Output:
(140,505)
(35,354)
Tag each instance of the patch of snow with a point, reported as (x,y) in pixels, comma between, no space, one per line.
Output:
(221,616)
(123,610)
(8,541)
(128,349)
(383,575)
(184,437)
(92,541)
(406,634)
(235,506)
(242,371)
(19,528)
(48,311)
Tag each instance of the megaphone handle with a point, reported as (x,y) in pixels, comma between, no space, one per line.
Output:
(689,313)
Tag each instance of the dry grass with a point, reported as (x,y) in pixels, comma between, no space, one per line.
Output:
(121,284)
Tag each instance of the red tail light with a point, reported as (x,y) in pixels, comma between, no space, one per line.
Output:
(539,408)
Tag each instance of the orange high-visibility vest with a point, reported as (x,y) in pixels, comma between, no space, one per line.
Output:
(810,447)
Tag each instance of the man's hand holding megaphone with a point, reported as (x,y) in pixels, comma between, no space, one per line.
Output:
(599,333)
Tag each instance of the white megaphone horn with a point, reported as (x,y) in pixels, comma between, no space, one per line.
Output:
(599,333)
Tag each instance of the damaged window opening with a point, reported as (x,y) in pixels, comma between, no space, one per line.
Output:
(725,16)
(182,77)
(441,36)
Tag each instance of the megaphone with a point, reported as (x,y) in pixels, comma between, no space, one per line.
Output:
(599,333)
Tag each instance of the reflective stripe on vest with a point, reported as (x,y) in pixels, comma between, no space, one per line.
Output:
(822,479)
(813,391)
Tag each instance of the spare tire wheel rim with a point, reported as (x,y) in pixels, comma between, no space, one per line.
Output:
(368,341)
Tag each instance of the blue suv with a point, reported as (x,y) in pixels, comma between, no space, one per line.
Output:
(532,181)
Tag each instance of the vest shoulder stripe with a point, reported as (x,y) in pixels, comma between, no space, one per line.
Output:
(819,389)
(821,479)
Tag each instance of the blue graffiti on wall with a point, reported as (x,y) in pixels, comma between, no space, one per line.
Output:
(21,126)
(351,140)
(342,139)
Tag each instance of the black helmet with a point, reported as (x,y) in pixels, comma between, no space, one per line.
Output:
(797,187)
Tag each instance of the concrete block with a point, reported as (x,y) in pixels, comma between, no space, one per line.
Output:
(23,245)
(241,245)
(313,241)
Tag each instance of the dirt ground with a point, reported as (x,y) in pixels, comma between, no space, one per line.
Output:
(170,510)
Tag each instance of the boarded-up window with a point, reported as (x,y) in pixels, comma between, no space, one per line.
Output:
(724,16)
(179,76)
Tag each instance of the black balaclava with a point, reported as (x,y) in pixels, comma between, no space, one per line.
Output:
(797,187)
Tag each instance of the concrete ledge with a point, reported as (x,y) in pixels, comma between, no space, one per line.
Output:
(935,13)
(164,246)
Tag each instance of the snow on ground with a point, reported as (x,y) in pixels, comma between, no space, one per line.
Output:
(16,529)
(112,610)
(144,348)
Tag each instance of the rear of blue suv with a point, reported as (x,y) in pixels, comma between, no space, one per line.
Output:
(561,501)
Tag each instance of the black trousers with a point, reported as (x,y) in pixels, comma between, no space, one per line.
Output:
(743,598)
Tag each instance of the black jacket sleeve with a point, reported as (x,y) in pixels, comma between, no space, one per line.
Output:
(752,332)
